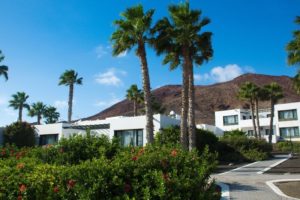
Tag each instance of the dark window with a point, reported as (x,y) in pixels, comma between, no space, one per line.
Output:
(268,115)
(230,120)
(130,137)
(289,132)
(244,117)
(48,139)
(268,132)
(286,115)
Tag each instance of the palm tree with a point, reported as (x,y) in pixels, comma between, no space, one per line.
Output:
(18,102)
(136,96)
(296,82)
(69,78)
(51,115)
(293,47)
(272,92)
(180,39)
(37,109)
(132,31)
(247,92)
(3,68)
(258,95)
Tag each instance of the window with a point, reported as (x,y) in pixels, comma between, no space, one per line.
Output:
(250,133)
(48,139)
(130,137)
(289,132)
(287,115)
(268,132)
(230,120)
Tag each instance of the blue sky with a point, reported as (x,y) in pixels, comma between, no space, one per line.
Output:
(43,38)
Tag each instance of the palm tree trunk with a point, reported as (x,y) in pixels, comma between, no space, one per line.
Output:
(271,122)
(147,92)
(191,109)
(253,119)
(20,113)
(257,118)
(134,108)
(184,100)
(39,119)
(70,102)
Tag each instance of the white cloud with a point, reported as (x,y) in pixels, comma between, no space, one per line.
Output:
(102,51)
(3,101)
(221,74)
(109,102)
(10,112)
(122,55)
(110,77)
(61,104)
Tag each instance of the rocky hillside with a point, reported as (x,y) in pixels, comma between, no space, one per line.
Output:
(221,96)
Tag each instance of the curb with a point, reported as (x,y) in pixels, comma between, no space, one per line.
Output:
(225,191)
(277,190)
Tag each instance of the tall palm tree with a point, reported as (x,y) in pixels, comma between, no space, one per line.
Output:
(132,31)
(247,92)
(70,78)
(37,109)
(136,96)
(258,95)
(18,102)
(51,115)
(293,47)
(180,39)
(3,68)
(296,82)
(273,93)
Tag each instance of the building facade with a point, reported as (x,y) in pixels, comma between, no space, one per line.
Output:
(286,122)
(130,130)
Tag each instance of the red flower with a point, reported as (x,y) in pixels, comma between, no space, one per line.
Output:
(56,189)
(20,197)
(127,187)
(71,183)
(134,158)
(20,165)
(22,188)
(174,153)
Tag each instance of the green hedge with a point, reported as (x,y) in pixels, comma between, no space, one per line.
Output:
(19,133)
(151,172)
(286,147)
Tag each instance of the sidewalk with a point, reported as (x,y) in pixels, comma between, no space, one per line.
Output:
(247,183)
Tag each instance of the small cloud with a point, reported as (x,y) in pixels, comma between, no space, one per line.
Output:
(110,77)
(122,55)
(102,51)
(3,101)
(61,104)
(221,74)
(109,102)
(10,112)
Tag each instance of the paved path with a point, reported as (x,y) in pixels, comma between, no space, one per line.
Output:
(247,183)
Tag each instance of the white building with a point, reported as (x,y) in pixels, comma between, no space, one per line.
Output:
(131,130)
(285,125)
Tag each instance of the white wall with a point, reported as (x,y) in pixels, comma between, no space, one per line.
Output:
(116,124)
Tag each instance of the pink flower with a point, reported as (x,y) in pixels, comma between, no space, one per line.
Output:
(71,183)
(56,189)
(134,158)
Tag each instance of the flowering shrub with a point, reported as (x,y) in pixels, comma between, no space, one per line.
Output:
(151,172)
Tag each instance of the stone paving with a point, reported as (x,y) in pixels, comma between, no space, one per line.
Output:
(246,183)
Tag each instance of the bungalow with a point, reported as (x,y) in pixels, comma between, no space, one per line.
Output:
(131,130)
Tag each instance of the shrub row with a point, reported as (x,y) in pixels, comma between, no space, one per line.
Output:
(95,168)
(287,147)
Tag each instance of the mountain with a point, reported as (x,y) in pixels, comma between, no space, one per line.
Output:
(220,96)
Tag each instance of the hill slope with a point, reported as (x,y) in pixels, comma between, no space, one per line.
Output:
(221,96)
